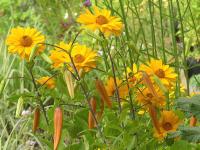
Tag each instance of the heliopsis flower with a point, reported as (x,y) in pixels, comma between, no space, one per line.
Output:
(111,90)
(169,122)
(133,75)
(145,98)
(47,81)
(21,41)
(83,57)
(101,20)
(165,73)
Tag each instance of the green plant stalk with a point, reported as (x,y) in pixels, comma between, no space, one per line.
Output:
(194,24)
(115,82)
(184,47)
(126,29)
(38,96)
(141,26)
(172,18)
(132,110)
(22,80)
(162,31)
(153,38)
(78,78)
(104,57)
(87,98)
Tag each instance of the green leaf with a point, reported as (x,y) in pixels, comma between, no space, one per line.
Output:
(190,105)
(191,134)
(183,145)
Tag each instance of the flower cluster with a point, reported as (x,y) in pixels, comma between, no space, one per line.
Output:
(151,83)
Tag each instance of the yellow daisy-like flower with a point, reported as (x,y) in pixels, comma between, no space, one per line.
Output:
(21,41)
(146,98)
(165,73)
(83,57)
(169,122)
(133,75)
(101,20)
(110,87)
(47,81)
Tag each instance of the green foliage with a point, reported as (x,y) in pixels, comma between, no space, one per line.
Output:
(191,134)
(190,105)
(148,34)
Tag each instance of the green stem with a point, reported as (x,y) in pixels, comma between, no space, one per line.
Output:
(162,31)
(126,29)
(152,30)
(184,47)
(38,95)
(194,24)
(141,26)
(176,55)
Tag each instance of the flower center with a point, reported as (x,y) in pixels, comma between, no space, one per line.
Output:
(26,41)
(160,73)
(149,95)
(167,126)
(79,58)
(101,20)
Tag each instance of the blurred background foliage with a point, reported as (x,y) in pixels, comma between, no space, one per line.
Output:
(57,20)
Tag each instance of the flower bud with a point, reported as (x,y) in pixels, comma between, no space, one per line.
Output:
(19,107)
(69,82)
(91,121)
(36,119)
(102,91)
(193,121)
(58,119)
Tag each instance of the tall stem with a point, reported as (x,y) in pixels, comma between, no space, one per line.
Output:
(38,95)
(126,29)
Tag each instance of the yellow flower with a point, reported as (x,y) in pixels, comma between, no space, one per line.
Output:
(169,122)
(133,75)
(110,87)
(83,57)
(47,81)
(21,41)
(102,20)
(146,98)
(165,73)
(141,112)
(173,89)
